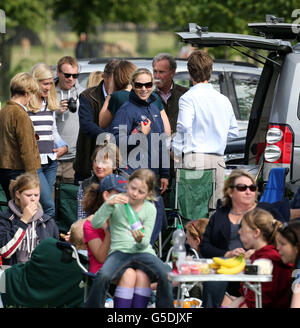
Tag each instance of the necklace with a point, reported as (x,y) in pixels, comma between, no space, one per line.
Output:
(241,213)
(237,214)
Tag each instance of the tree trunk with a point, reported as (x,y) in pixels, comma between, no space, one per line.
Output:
(5,60)
(142,39)
(47,35)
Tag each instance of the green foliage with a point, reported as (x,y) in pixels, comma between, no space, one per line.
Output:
(222,15)
(28,13)
(86,16)
(82,15)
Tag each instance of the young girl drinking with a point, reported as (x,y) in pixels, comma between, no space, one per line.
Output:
(131,248)
(288,245)
(23,225)
(258,232)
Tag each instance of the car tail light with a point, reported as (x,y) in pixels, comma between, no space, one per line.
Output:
(274,135)
(279,144)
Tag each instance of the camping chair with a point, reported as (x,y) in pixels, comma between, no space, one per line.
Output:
(48,279)
(3,200)
(70,251)
(65,205)
(274,189)
(193,192)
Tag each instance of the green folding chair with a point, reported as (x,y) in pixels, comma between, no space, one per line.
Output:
(66,205)
(3,200)
(194,191)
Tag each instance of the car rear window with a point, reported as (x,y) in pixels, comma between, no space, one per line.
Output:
(245,85)
(183,78)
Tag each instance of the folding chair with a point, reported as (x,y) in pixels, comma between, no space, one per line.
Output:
(274,189)
(48,279)
(70,251)
(65,205)
(3,200)
(195,190)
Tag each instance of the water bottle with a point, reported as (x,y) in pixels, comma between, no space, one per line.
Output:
(179,251)
(133,219)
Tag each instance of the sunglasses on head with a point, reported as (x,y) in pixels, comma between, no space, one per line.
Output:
(68,75)
(139,85)
(243,187)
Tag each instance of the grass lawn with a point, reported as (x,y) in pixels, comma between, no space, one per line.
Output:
(157,42)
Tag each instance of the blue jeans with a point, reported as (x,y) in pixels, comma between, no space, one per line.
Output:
(47,176)
(116,264)
(213,293)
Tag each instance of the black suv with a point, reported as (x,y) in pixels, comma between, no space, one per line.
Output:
(274,124)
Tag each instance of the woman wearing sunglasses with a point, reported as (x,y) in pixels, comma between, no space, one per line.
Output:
(122,86)
(221,238)
(288,245)
(143,128)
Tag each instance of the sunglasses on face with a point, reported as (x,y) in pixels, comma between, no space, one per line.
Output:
(139,85)
(243,187)
(68,75)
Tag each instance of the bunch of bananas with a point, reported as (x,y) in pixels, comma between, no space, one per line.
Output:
(229,266)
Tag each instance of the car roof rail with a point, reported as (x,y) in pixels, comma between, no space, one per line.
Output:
(106,59)
(275,28)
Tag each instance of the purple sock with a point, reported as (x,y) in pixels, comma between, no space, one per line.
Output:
(141,297)
(123,297)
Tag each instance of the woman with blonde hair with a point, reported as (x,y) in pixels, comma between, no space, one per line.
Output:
(122,82)
(144,126)
(94,79)
(23,225)
(18,147)
(41,110)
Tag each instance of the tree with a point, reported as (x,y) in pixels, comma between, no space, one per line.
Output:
(80,16)
(231,16)
(27,13)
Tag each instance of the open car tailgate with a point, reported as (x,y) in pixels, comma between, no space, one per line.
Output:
(202,38)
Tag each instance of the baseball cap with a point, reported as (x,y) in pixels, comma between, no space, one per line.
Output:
(113,181)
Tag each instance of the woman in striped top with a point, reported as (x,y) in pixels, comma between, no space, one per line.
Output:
(51,146)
